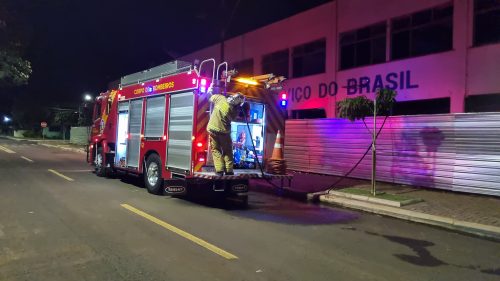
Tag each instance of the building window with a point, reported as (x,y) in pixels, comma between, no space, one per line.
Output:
(276,63)
(421,33)
(486,22)
(363,46)
(244,67)
(430,106)
(313,113)
(483,103)
(309,59)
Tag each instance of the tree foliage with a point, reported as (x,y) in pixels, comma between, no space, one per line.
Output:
(27,113)
(65,118)
(355,108)
(360,107)
(14,69)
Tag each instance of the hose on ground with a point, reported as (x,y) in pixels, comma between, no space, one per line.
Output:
(332,186)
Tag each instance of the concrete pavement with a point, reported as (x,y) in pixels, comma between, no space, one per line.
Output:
(52,228)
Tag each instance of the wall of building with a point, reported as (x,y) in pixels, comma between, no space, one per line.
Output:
(457,73)
(483,70)
(46,132)
(79,135)
(20,133)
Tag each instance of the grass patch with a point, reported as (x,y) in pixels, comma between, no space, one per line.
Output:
(366,192)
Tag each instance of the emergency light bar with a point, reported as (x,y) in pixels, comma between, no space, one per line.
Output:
(246,81)
(203,85)
(284,99)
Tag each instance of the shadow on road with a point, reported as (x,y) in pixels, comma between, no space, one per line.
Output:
(266,207)
(423,256)
(263,205)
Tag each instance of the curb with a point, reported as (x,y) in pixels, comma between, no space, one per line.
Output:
(374,200)
(486,231)
(39,142)
(64,148)
(12,138)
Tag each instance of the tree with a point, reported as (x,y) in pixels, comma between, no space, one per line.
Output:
(14,69)
(27,113)
(359,108)
(65,118)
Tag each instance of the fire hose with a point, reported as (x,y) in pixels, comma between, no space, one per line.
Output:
(330,187)
(255,152)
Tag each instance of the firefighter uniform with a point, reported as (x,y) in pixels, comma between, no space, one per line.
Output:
(219,129)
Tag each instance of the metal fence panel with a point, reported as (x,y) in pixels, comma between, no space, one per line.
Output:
(459,152)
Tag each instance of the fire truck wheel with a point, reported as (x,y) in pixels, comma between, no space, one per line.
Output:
(152,174)
(100,166)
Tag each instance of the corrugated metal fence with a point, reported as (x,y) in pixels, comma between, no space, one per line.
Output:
(459,152)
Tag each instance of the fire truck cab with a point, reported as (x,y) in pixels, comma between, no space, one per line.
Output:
(154,125)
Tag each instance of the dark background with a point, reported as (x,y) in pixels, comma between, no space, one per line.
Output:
(80,46)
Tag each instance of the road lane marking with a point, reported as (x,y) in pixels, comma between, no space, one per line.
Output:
(5,149)
(27,159)
(61,175)
(181,232)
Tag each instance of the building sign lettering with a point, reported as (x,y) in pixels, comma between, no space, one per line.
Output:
(358,85)
(150,89)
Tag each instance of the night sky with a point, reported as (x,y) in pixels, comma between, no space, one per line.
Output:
(78,46)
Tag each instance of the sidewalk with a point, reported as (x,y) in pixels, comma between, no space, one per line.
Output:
(469,213)
(61,144)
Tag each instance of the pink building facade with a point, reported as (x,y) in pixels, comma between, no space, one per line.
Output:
(437,54)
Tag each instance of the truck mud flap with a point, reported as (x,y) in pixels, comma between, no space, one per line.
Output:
(231,186)
(110,159)
(175,186)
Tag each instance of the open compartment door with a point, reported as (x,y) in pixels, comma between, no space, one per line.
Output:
(244,135)
(122,134)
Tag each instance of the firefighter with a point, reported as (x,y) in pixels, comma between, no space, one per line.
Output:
(219,129)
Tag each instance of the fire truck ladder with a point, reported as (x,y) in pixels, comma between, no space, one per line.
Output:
(156,72)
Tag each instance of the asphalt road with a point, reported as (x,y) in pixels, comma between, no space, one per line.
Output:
(68,224)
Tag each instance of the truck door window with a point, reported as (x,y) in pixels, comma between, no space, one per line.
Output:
(97,110)
(108,106)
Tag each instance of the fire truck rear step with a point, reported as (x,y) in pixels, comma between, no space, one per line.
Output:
(246,175)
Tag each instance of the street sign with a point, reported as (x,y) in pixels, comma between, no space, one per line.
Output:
(43,124)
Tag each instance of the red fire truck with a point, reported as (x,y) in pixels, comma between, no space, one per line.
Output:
(154,125)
